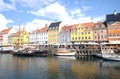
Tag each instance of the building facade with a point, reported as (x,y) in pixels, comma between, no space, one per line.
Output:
(73,34)
(5,35)
(1,38)
(64,35)
(19,38)
(100,32)
(82,32)
(114,32)
(43,36)
(113,24)
(33,37)
(53,33)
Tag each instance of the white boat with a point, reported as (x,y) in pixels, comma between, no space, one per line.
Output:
(6,49)
(114,57)
(108,54)
(64,52)
(67,57)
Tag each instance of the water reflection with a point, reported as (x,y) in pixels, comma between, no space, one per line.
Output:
(80,67)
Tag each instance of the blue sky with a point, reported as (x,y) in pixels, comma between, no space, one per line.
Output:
(36,13)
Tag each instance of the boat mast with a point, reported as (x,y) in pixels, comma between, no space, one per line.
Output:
(19,38)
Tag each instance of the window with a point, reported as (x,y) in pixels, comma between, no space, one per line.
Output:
(105,36)
(79,38)
(75,38)
(82,33)
(86,37)
(101,31)
(95,37)
(89,37)
(88,32)
(76,33)
(101,36)
(82,38)
(72,38)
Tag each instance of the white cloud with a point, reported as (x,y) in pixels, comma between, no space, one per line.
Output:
(34,3)
(52,11)
(85,8)
(4,22)
(4,6)
(36,24)
(57,11)
(99,18)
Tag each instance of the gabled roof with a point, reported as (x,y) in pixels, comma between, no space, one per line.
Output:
(66,28)
(99,25)
(73,27)
(6,30)
(113,17)
(56,24)
(35,31)
(89,24)
(44,29)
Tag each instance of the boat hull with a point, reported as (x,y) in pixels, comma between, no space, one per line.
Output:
(111,57)
(65,54)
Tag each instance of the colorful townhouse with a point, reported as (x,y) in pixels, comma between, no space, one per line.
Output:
(113,24)
(1,38)
(19,38)
(5,36)
(64,35)
(100,32)
(53,33)
(43,36)
(33,38)
(73,33)
(82,32)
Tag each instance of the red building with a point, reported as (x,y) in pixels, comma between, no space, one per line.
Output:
(100,32)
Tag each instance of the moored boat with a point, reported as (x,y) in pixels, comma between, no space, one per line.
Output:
(108,53)
(64,52)
(6,49)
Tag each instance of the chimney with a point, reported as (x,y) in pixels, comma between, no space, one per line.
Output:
(115,12)
(46,25)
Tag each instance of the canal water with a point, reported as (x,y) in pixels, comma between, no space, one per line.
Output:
(12,67)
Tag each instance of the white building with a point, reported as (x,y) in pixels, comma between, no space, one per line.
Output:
(5,35)
(43,36)
(33,38)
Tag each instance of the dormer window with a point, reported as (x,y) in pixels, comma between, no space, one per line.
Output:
(96,26)
(102,26)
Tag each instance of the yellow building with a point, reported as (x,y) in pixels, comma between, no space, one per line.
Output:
(53,33)
(19,38)
(82,32)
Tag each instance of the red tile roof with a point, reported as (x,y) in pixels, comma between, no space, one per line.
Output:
(90,24)
(44,29)
(73,27)
(99,24)
(66,28)
(6,30)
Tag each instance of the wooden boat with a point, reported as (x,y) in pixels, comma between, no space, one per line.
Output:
(29,52)
(64,52)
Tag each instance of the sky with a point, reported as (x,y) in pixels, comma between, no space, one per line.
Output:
(32,14)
